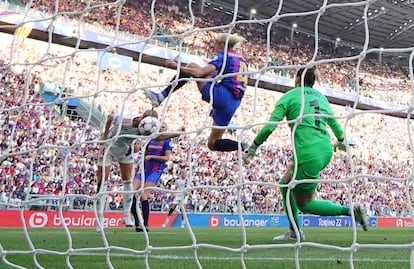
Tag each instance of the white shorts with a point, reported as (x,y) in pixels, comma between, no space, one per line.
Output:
(115,154)
(177,200)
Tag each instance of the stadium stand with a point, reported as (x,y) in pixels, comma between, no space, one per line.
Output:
(32,128)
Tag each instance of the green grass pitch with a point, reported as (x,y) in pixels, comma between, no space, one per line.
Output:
(379,248)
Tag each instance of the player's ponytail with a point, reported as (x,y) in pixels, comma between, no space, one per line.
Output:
(312,75)
(234,40)
(150,113)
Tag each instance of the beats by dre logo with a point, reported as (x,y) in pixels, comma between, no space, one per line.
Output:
(38,219)
(214,221)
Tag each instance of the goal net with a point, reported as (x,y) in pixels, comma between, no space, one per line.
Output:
(67,65)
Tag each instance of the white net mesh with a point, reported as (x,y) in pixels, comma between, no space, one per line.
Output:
(55,99)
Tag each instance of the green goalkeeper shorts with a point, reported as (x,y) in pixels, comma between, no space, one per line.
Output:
(310,170)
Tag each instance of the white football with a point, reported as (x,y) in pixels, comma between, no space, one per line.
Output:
(148,125)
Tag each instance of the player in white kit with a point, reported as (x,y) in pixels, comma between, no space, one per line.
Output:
(120,150)
(180,199)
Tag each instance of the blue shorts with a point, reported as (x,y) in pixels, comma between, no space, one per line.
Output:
(152,177)
(224,103)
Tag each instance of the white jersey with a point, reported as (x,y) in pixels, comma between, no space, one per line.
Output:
(121,148)
(123,143)
(181,184)
(179,196)
(126,119)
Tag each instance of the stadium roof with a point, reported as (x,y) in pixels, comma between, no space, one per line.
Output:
(390,22)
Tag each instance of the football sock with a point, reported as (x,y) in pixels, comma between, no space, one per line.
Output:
(170,211)
(145,212)
(293,206)
(134,211)
(100,203)
(226,145)
(167,219)
(180,84)
(324,208)
(127,201)
(99,207)
(98,186)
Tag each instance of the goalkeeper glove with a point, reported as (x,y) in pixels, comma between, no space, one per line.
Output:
(249,153)
(339,145)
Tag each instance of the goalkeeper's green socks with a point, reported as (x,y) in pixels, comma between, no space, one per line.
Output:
(314,207)
(324,208)
(293,206)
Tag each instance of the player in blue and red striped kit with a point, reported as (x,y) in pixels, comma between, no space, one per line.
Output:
(225,93)
(157,153)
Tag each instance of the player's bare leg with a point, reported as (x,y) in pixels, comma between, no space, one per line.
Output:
(126,175)
(102,175)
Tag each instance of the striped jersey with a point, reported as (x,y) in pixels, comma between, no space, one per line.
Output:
(158,148)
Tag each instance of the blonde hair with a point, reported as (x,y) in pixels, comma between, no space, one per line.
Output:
(150,112)
(234,40)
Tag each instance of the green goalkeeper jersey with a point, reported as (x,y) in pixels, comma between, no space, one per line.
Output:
(311,136)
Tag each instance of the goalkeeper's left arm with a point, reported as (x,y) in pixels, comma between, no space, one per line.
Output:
(339,145)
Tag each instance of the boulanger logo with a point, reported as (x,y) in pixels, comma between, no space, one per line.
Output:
(403,223)
(306,222)
(214,221)
(38,219)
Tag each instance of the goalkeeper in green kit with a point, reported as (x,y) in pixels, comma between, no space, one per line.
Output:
(312,144)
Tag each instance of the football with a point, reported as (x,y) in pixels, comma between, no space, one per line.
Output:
(148,125)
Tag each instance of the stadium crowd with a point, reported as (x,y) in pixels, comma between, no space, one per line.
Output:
(174,18)
(44,154)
